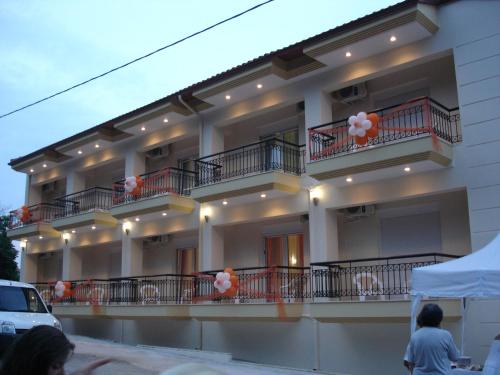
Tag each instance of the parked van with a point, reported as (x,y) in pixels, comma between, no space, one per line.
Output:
(21,308)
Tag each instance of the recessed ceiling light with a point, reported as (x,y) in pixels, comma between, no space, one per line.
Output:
(224,203)
(73,231)
(32,170)
(137,219)
(44,165)
(348,54)
(165,119)
(143,129)
(349,179)
(407,169)
(93,227)
(80,152)
(228,97)
(393,39)
(259,86)
(263,195)
(97,145)
(40,237)
(163,214)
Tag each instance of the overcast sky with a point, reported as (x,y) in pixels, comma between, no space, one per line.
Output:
(46,46)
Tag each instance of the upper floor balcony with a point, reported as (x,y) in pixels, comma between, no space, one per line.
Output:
(268,165)
(33,221)
(165,189)
(420,130)
(87,207)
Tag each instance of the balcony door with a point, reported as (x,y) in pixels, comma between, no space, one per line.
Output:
(285,250)
(277,155)
(187,262)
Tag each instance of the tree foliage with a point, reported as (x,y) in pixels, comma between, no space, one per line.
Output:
(8,253)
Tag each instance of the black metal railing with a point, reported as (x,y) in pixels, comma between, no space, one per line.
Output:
(269,155)
(164,181)
(89,200)
(421,116)
(38,213)
(388,277)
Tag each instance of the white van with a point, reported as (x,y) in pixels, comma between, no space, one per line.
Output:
(21,308)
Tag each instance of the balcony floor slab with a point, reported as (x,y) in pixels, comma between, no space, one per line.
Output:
(154,204)
(31,230)
(85,219)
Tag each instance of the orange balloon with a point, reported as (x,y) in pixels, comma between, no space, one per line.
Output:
(67,289)
(373,117)
(234,280)
(229,271)
(372,132)
(231,292)
(361,141)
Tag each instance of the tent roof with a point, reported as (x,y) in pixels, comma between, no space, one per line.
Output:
(474,275)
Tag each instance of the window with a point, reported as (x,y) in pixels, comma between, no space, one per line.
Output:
(20,300)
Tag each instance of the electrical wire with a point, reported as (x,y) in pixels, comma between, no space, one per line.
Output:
(137,59)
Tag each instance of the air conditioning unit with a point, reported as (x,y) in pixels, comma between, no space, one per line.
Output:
(158,152)
(49,187)
(359,211)
(157,240)
(351,93)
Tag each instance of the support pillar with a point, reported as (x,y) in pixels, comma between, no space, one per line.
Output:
(211,140)
(211,244)
(318,110)
(33,193)
(75,182)
(323,233)
(135,163)
(29,267)
(131,256)
(72,264)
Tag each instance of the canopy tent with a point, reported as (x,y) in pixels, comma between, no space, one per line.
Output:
(474,275)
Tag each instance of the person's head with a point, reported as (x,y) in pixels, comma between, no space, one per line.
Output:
(43,350)
(430,316)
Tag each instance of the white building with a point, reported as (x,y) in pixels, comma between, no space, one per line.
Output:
(255,167)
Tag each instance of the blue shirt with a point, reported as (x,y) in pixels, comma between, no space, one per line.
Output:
(431,350)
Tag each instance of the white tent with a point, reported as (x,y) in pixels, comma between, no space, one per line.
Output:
(474,275)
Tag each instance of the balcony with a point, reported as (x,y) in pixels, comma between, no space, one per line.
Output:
(36,224)
(421,130)
(364,289)
(268,165)
(87,207)
(165,189)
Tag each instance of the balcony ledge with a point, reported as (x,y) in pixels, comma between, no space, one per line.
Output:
(154,204)
(37,229)
(84,219)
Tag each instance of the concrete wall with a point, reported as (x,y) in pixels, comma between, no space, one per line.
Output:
(100,263)
(49,267)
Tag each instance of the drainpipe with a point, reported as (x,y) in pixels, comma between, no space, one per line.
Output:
(200,116)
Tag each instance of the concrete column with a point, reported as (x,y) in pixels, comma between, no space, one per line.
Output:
(74,182)
(131,256)
(318,110)
(29,267)
(323,233)
(135,163)
(211,140)
(72,264)
(33,193)
(211,244)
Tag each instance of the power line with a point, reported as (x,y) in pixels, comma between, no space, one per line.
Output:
(137,59)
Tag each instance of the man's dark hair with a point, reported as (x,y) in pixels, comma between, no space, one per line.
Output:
(36,351)
(430,316)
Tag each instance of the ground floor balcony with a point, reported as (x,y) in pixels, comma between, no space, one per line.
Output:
(270,165)
(159,191)
(419,131)
(33,221)
(331,291)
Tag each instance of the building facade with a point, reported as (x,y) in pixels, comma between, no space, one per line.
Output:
(257,169)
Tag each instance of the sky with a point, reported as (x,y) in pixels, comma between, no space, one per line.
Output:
(47,46)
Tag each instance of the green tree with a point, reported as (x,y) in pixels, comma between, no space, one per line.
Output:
(8,253)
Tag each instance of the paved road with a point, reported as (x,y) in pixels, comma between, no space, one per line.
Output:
(130,360)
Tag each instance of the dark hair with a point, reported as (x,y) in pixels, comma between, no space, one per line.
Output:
(430,316)
(36,351)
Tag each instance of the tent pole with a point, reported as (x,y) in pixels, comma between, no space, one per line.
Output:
(464,316)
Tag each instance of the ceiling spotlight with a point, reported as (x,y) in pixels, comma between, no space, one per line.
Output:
(143,128)
(228,97)
(259,86)
(93,227)
(348,54)
(165,120)
(44,165)
(80,152)
(349,179)
(137,219)
(97,145)
(407,169)
(224,203)
(263,195)
(393,39)
(32,170)
(40,237)
(73,231)
(163,214)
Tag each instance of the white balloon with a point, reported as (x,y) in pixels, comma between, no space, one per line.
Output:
(130,184)
(352,120)
(361,116)
(226,276)
(59,288)
(220,275)
(226,284)
(366,124)
(352,130)
(360,132)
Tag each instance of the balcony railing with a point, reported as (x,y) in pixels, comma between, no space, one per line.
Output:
(376,278)
(164,181)
(89,200)
(38,213)
(264,156)
(422,116)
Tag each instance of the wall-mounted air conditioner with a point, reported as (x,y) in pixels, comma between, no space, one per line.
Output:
(351,93)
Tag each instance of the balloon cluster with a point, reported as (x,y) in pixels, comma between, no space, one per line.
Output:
(363,126)
(133,185)
(63,289)
(226,282)
(23,214)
